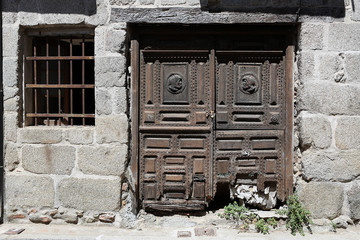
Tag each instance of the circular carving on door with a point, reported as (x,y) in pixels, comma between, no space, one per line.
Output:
(249,84)
(175,83)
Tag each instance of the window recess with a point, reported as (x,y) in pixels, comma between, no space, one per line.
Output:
(59,81)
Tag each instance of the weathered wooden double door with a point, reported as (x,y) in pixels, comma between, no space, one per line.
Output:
(208,117)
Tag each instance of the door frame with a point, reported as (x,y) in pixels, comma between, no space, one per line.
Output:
(135,104)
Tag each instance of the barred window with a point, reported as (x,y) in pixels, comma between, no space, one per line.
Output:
(59,81)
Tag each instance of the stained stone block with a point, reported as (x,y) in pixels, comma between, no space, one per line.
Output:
(121,2)
(48,159)
(44,135)
(323,199)
(352,61)
(306,66)
(347,133)
(10,75)
(315,131)
(354,200)
(311,36)
(331,166)
(90,194)
(110,71)
(11,157)
(344,36)
(120,100)
(103,101)
(115,40)
(328,64)
(10,126)
(172,2)
(356,10)
(103,160)
(24,191)
(112,129)
(10,35)
(80,136)
(320,97)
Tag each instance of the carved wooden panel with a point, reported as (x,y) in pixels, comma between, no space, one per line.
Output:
(185,149)
(175,130)
(175,89)
(250,90)
(252,157)
(175,169)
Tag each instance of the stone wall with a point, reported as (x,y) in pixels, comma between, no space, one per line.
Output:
(327,162)
(80,175)
(67,174)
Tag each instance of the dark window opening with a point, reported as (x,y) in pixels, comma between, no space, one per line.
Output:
(59,89)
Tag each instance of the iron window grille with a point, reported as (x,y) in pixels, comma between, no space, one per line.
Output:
(60,88)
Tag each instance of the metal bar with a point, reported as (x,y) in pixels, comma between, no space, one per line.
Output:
(59,81)
(71,81)
(194,129)
(47,80)
(35,82)
(66,86)
(47,115)
(57,58)
(83,78)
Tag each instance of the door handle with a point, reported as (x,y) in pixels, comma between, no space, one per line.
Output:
(245,153)
(210,114)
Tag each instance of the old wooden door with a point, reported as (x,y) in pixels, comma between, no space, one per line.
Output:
(211,115)
(175,128)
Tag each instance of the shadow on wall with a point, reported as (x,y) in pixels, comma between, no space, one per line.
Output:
(85,7)
(332,8)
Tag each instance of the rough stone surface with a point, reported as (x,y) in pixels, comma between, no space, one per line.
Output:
(112,129)
(352,67)
(311,36)
(120,100)
(10,126)
(347,133)
(328,65)
(342,221)
(103,160)
(331,166)
(29,191)
(323,199)
(344,37)
(172,2)
(44,135)
(11,157)
(36,218)
(10,76)
(315,131)
(48,159)
(80,135)
(103,101)
(107,217)
(356,10)
(90,194)
(10,34)
(115,40)
(146,2)
(12,104)
(319,97)
(306,66)
(109,71)
(121,2)
(354,201)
